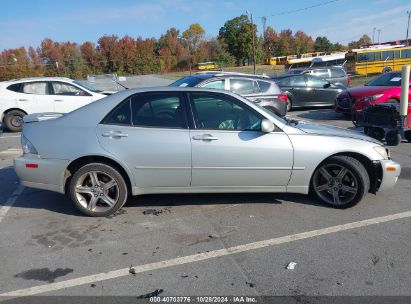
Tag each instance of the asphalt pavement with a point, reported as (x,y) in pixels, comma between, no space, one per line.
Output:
(206,244)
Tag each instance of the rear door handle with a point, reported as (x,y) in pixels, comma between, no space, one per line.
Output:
(205,137)
(114,134)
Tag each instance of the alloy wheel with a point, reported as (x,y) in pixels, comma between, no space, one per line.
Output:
(97,191)
(335,184)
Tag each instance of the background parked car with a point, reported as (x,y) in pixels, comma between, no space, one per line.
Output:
(42,94)
(258,89)
(334,74)
(308,91)
(384,88)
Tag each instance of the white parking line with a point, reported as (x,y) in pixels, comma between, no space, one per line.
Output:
(202,256)
(10,202)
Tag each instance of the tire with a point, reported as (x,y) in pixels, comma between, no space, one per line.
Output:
(340,182)
(407,135)
(89,195)
(386,70)
(289,105)
(393,138)
(13,120)
(377,133)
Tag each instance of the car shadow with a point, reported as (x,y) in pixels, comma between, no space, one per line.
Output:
(60,203)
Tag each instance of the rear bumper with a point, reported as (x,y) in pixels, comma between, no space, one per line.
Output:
(391,170)
(49,174)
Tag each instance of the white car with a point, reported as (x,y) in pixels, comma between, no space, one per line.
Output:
(24,96)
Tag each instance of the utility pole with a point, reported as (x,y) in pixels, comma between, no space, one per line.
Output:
(379,32)
(408,26)
(373,34)
(252,28)
(264,19)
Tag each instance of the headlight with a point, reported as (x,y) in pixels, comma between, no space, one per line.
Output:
(381,150)
(372,98)
(27,146)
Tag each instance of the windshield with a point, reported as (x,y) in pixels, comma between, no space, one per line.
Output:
(386,80)
(188,81)
(86,86)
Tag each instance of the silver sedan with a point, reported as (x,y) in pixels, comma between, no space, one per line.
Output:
(187,140)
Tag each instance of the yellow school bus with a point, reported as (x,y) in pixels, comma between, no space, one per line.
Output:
(379,59)
(280,60)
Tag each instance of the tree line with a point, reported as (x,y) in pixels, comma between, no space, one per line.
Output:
(172,51)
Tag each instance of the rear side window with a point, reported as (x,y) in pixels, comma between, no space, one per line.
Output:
(337,73)
(121,115)
(158,110)
(16,87)
(243,86)
(264,85)
(38,88)
(217,84)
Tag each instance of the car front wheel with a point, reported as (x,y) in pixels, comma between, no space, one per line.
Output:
(340,182)
(98,189)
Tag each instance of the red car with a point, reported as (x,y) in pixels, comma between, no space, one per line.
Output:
(384,88)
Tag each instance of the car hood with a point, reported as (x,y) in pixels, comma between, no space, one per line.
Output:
(367,91)
(327,130)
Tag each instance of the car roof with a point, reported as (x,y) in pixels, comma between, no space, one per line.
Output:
(40,79)
(204,76)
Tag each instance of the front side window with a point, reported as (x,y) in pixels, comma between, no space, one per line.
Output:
(38,88)
(316,82)
(243,86)
(297,81)
(222,113)
(163,110)
(218,84)
(65,89)
(321,73)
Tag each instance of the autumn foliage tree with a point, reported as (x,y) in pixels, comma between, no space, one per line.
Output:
(170,52)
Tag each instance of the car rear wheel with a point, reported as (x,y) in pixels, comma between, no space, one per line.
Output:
(13,120)
(393,138)
(98,189)
(340,182)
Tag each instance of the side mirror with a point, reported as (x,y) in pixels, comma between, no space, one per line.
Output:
(327,85)
(267,126)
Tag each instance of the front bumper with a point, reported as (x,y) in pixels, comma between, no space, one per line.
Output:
(391,170)
(49,174)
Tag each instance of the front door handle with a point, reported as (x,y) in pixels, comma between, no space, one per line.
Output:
(114,134)
(59,100)
(205,137)
(22,99)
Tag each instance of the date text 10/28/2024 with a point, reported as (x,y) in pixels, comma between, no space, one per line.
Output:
(204,299)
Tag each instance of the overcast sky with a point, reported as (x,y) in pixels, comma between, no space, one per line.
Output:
(24,23)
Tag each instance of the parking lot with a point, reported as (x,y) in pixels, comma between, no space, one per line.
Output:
(220,244)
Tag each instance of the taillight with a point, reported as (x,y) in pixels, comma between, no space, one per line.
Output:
(283,97)
(348,81)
